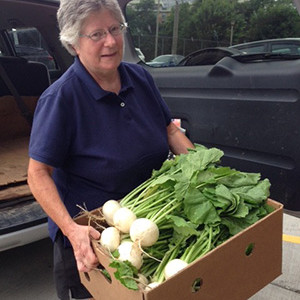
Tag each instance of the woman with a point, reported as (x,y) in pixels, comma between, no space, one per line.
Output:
(98,132)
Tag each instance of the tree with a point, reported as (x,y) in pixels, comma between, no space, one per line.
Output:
(212,21)
(185,26)
(278,20)
(141,18)
(203,24)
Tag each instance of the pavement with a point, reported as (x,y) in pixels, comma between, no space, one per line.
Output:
(286,286)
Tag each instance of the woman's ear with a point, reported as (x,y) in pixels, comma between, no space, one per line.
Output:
(75,48)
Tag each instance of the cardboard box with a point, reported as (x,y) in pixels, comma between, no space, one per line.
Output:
(229,272)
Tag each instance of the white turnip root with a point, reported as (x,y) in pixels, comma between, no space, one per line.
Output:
(131,252)
(144,231)
(108,209)
(142,281)
(123,218)
(152,285)
(110,238)
(173,267)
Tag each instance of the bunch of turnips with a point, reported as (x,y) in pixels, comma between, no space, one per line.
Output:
(188,207)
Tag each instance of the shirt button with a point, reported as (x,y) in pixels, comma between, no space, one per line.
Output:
(122,104)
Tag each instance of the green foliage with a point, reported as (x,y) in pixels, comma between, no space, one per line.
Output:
(209,23)
(125,273)
(142,17)
(212,19)
(142,25)
(273,21)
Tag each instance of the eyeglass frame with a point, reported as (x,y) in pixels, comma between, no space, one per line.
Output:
(122,27)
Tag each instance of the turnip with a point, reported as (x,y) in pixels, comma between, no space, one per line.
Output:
(152,285)
(123,218)
(142,281)
(131,252)
(144,231)
(108,209)
(173,267)
(110,238)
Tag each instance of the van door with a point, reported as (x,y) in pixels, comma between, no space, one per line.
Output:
(248,107)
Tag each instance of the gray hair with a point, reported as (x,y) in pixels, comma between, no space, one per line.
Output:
(72,13)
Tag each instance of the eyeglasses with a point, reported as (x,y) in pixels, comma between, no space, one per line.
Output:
(98,35)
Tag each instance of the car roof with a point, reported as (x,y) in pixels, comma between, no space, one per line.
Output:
(281,40)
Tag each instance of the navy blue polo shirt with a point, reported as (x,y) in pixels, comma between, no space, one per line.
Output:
(101,145)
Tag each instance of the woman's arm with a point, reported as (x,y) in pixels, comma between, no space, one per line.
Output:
(45,192)
(178,142)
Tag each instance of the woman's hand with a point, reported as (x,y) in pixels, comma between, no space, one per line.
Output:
(80,238)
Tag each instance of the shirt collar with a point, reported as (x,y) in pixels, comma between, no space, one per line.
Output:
(92,86)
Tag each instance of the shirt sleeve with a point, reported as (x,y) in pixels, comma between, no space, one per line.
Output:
(162,103)
(50,135)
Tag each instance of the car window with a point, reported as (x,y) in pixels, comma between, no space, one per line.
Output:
(253,49)
(164,29)
(287,48)
(29,43)
(3,46)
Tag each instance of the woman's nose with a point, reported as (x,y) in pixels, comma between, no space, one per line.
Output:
(109,39)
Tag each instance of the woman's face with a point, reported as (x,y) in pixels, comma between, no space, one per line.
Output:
(104,56)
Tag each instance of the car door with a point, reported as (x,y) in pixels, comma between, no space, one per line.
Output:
(26,67)
(249,108)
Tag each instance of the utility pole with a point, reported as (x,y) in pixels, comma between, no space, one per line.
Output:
(231,32)
(175,28)
(157,28)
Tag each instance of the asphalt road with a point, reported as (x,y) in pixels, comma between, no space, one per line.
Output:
(286,286)
(26,272)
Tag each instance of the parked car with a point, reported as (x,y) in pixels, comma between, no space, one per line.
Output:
(246,105)
(284,46)
(140,54)
(208,56)
(166,60)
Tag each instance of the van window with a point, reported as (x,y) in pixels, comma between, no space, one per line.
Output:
(29,43)
(3,47)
